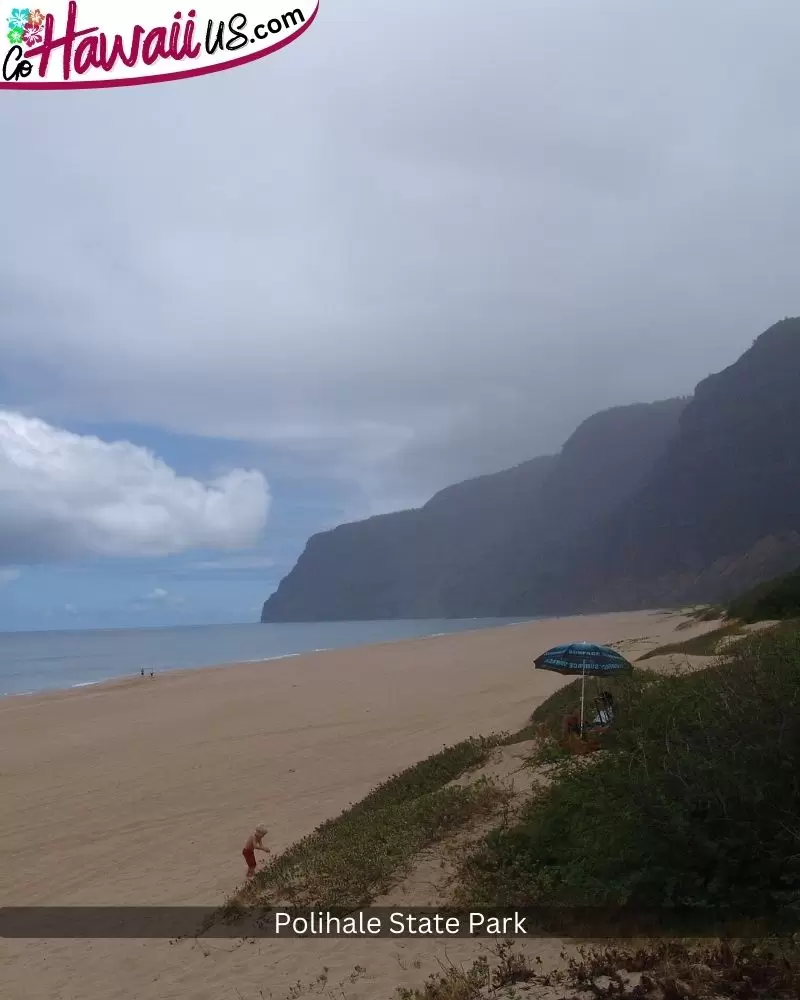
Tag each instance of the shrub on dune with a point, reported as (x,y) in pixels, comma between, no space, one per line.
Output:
(698,802)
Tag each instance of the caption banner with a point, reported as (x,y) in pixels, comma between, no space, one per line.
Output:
(376,922)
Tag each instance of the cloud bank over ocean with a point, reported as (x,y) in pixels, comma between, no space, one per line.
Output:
(65,496)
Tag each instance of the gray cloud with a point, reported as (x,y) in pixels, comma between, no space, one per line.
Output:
(422,242)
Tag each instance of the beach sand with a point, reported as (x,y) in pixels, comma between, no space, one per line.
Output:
(142,791)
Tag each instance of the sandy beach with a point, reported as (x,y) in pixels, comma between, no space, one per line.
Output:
(142,792)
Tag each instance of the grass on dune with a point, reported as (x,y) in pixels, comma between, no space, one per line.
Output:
(699,645)
(706,613)
(772,600)
(670,970)
(349,860)
(695,804)
(709,644)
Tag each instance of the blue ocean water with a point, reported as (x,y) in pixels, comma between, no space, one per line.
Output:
(45,661)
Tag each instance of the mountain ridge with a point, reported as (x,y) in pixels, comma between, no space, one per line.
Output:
(434,548)
(646,505)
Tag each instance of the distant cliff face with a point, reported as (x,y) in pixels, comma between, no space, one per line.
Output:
(458,555)
(721,510)
(404,565)
(647,505)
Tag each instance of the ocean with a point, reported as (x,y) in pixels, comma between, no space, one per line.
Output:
(48,661)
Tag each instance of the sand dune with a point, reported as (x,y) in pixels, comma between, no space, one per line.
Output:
(142,792)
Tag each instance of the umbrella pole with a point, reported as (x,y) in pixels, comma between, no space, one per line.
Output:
(583,688)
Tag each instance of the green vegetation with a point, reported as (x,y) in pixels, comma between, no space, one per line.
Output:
(707,612)
(696,804)
(773,600)
(349,860)
(670,970)
(479,979)
(787,628)
(703,613)
(699,645)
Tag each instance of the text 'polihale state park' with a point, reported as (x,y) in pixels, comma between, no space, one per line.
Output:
(400,923)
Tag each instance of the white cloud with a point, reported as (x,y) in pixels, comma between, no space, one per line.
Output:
(158,596)
(235,563)
(8,574)
(65,495)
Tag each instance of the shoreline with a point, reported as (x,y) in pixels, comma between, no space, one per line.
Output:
(115,681)
(110,682)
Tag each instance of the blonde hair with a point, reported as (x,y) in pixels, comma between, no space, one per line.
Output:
(261,828)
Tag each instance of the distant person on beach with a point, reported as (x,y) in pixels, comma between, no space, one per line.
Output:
(152,673)
(142,671)
(252,845)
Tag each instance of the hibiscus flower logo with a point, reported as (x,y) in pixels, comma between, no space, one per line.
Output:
(32,34)
(26,26)
(19,18)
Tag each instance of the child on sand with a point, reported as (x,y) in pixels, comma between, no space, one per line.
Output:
(254,844)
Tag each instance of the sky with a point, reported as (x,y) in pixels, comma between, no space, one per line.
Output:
(420,243)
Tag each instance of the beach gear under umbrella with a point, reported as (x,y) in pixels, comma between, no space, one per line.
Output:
(583,659)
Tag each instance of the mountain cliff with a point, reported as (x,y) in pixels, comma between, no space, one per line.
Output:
(721,510)
(646,505)
(454,556)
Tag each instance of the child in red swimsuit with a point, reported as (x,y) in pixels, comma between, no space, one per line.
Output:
(252,845)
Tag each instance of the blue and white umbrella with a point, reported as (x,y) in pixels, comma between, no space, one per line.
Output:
(583,659)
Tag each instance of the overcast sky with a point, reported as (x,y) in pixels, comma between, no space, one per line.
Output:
(422,242)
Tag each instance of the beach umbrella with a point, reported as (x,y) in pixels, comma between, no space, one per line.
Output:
(583,659)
